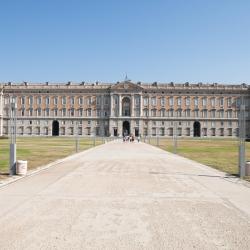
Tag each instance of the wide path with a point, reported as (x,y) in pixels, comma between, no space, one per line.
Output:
(126,196)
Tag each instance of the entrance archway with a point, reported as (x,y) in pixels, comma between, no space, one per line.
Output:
(125,128)
(197,129)
(55,128)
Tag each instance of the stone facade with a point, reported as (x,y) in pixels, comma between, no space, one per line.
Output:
(201,110)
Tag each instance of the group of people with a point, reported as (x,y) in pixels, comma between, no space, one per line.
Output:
(130,138)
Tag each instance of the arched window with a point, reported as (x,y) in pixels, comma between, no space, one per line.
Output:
(126,106)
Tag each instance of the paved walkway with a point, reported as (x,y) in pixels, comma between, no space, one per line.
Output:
(125,196)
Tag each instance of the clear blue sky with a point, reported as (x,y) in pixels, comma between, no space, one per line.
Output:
(151,40)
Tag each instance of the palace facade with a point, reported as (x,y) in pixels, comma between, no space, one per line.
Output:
(192,110)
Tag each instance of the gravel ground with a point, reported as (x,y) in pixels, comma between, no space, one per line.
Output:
(126,196)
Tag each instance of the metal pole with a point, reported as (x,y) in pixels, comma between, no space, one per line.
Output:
(175,138)
(12,127)
(242,135)
(76,137)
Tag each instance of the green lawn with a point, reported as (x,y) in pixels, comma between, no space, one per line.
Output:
(218,153)
(39,151)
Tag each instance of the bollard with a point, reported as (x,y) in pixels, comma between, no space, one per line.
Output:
(247,168)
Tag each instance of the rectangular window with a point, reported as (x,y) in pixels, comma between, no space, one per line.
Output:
(80,100)
(89,101)
(153,112)
(55,100)
(196,101)
(153,101)
(31,100)
(39,112)
(171,101)
(145,101)
(188,113)
(221,113)
(72,100)
(221,101)
(47,100)
(229,102)
(204,113)
(212,112)
(188,101)
(212,101)
(145,112)
(23,100)
(64,100)
(64,112)
(137,100)
(229,114)
(163,101)
(39,100)
(80,112)
(204,101)
(179,101)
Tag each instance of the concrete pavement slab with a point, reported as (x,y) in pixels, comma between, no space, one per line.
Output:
(126,196)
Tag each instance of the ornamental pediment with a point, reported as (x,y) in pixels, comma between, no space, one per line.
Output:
(126,85)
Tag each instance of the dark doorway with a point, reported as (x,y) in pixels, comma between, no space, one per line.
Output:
(197,129)
(136,132)
(55,128)
(115,131)
(125,128)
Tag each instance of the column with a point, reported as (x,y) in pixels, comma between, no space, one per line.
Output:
(111,105)
(120,105)
(141,106)
(132,105)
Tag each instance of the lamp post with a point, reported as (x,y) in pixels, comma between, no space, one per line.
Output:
(12,127)
(76,136)
(242,135)
(175,137)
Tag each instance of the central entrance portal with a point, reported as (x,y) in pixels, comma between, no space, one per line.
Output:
(125,128)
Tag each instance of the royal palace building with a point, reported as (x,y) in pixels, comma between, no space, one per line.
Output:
(84,109)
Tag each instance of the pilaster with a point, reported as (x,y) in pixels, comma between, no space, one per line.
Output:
(111,105)
(141,107)
(132,105)
(120,105)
